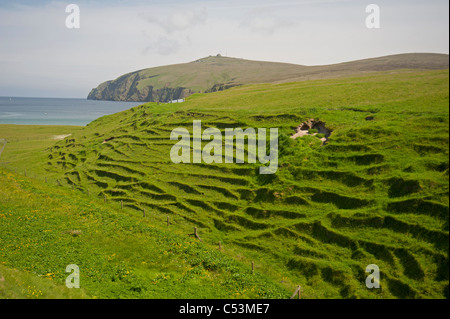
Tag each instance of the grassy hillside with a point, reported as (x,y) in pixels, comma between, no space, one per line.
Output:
(44,228)
(376,193)
(15,284)
(217,73)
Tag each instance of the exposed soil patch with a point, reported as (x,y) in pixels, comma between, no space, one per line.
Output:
(108,139)
(60,137)
(317,126)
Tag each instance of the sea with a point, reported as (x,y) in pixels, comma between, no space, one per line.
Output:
(57,111)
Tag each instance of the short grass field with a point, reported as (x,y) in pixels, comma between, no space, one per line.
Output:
(375,193)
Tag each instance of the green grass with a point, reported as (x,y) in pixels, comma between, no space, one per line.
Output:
(376,193)
(16,284)
(28,143)
(119,255)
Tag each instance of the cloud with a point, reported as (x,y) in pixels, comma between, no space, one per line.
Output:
(163,46)
(39,54)
(179,19)
(169,30)
(265,21)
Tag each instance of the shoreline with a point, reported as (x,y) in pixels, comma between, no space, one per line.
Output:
(46,125)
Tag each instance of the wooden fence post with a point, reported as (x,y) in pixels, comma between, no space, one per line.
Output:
(168,222)
(196,235)
(220,245)
(253,267)
(297,291)
(144,212)
(104,198)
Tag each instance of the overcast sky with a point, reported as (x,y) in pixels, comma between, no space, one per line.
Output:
(41,57)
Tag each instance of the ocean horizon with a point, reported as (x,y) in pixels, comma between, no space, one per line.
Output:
(57,111)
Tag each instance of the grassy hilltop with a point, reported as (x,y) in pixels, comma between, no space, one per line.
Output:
(376,193)
(217,73)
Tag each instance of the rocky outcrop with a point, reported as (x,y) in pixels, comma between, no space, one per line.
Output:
(126,88)
(221,86)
